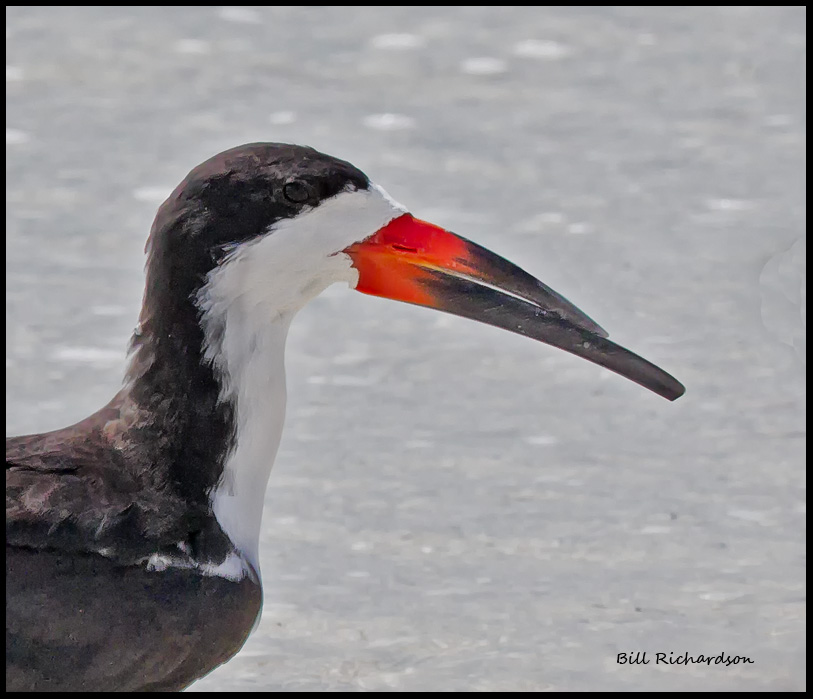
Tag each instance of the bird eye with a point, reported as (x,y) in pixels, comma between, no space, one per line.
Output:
(296,192)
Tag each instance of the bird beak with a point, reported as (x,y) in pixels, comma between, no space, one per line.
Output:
(417,262)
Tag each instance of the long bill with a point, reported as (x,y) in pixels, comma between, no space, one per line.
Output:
(417,262)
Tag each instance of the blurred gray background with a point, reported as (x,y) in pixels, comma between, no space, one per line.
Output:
(454,507)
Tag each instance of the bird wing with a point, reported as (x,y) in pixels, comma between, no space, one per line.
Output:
(72,490)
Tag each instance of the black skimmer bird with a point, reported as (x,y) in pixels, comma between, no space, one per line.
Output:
(132,536)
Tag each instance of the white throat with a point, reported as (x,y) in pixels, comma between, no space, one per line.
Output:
(248,303)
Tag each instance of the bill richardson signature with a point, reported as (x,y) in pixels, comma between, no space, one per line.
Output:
(672,658)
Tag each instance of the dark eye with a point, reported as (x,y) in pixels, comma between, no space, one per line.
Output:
(297,192)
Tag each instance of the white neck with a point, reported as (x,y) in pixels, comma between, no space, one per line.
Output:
(260,398)
(247,306)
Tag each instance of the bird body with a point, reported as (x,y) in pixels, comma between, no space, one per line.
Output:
(132,537)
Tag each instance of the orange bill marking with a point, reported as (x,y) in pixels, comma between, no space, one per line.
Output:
(392,262)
